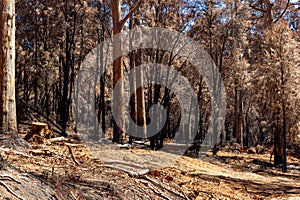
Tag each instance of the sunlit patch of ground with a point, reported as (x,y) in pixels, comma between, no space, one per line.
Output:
(104,171)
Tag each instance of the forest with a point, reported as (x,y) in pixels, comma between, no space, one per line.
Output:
(120,88)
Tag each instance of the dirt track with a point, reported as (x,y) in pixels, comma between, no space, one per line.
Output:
(65,169)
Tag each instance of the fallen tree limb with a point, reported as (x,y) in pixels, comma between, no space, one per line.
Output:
(130,172)
(95,185)
(8,177)
(9,150)
(161,194)
(10,191)
(169,189)
(72,155)
(124,163)
(73,145)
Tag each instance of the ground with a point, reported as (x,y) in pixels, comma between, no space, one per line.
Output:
(65,168)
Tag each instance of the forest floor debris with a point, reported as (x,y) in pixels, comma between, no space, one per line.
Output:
(64,168)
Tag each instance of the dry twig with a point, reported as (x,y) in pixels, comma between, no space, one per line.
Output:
(10,191)
(8,177)
(72,155)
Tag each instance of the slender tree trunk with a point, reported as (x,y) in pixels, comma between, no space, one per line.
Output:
(268,13)
(283,139)
(8,118)
(68,71)
(200,130)
(246,127)
(235,122)
(277,157)
(280,136)
(118,134)
(64,110)
(132,86)
(140,100)
(240,119)
(35,103)
(118,23)
(133,96)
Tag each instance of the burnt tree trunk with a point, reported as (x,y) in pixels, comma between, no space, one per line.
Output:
(280,135)
(68,63)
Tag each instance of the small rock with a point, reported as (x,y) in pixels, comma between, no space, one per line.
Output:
(235,146)
(259,149)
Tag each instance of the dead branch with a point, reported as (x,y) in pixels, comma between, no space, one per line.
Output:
(73,195)
(257,8)
(161,194)
(90,184)
(74,145)
(16,152)
(112,164)
(129,14)
(58,139)
(284,11)
(169,189)
(8,177)
(72,155)
(130,172)
(10,191)
(124,163)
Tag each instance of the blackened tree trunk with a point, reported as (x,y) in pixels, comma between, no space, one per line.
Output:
(280,134)
(68,70)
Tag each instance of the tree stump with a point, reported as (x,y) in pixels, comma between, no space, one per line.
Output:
(39,132)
